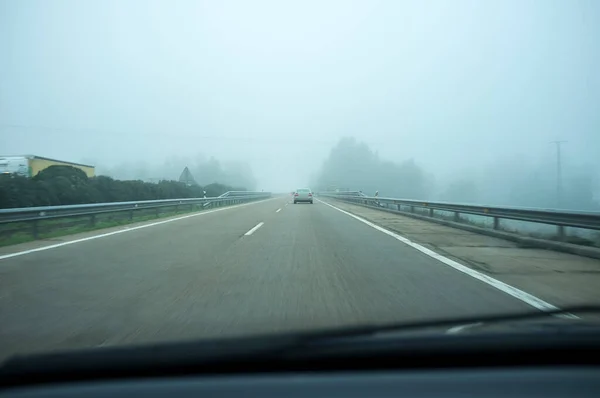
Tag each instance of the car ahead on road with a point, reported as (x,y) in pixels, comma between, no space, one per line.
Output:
(303,195)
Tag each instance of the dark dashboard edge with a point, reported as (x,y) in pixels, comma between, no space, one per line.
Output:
(255,356)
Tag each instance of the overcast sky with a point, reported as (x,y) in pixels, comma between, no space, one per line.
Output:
(452,84)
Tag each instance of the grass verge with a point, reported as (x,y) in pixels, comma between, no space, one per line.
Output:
(12,234)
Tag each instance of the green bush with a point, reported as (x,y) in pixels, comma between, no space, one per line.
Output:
(66,185)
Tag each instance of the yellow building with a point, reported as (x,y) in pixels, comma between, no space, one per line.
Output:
(31,165)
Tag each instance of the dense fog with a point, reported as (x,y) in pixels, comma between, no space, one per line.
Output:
(440,100)
(515,180)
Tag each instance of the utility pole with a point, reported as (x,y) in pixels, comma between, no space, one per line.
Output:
(558,174)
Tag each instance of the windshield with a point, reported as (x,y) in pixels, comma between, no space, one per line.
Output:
(151,154)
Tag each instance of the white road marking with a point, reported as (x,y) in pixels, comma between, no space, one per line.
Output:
(506,288)
(260,224)
(277,211)
(39,249)
(458,329)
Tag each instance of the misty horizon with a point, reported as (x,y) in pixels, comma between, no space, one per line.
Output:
(473,94)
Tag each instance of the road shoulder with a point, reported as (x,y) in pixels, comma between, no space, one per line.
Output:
(560,278)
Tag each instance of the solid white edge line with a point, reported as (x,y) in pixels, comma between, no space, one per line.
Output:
(506,288)
(127,229)
(277,211)
(257,226)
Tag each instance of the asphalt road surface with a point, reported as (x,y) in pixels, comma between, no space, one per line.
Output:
(269,266)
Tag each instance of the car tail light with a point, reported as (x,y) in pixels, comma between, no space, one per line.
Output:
(310,194)
(296,194)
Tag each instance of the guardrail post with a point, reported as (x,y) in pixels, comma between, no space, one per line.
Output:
(34,229)
(496,223)
(412,209)
(93,220)
(398,207)
(176,209)
(130,215)
(560,229)
(156,211)
(430,212)
(456,216)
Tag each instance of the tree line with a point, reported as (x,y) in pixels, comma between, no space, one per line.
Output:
(510,181)
(66,185)
(353,165)
(205,170)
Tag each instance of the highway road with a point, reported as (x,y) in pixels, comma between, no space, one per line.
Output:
(264,267)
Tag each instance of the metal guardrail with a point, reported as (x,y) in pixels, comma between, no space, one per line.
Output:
(35,214)
(349,193)
(560,218)
(241,194)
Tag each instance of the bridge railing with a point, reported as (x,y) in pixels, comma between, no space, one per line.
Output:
(559,218)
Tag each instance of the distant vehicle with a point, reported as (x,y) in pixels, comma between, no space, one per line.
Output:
(303,195)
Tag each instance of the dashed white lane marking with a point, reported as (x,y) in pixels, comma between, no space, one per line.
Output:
(39,249)
(506,288)
(277,211)
(257,226)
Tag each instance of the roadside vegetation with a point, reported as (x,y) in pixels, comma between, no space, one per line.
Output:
(66,185)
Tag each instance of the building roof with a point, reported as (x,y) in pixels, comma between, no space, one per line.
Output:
(50,159)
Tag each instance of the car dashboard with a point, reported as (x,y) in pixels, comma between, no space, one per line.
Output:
(560,363)
(515,382)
